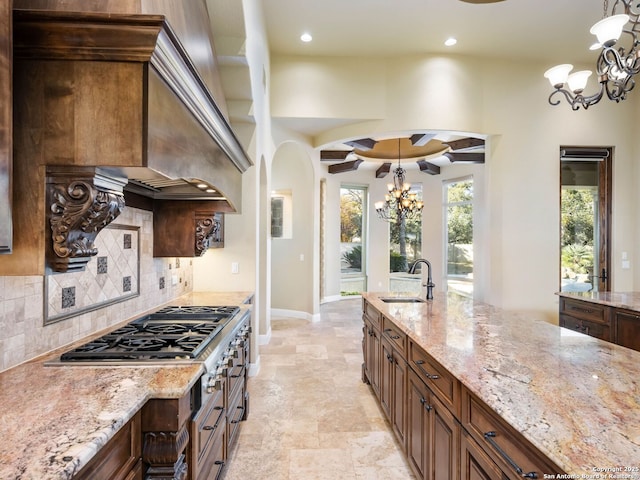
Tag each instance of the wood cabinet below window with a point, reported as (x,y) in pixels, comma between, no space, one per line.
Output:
(612,324)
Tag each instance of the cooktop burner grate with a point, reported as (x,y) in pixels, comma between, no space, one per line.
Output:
(195,311)
(170,333)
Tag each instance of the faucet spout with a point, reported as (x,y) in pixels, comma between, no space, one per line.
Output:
(430,285)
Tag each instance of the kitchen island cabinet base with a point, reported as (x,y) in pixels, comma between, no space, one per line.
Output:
(445,430)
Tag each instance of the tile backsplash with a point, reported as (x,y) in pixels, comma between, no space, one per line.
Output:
(108,278)
(23,333)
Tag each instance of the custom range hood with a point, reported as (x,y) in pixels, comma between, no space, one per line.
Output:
(128,96)
(110,110)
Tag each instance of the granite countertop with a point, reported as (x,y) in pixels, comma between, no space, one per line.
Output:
(53,419)
(628,300)
(574,397)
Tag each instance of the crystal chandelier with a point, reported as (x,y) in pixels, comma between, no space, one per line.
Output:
(616,65)
(400,203)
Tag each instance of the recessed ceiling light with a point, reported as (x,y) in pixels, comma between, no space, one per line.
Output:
(306,37)
(449,42)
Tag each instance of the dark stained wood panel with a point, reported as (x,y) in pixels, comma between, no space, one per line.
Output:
(362,143)
(421,139)
(383,170)
(465,157)
(333,154)
(345,166)
(429,168)
(465,143)
(6,128)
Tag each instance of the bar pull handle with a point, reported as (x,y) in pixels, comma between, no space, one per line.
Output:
(489,437)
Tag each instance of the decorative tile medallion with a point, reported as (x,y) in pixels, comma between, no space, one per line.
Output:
(102,264)
(68,297)
(177,263)
(161,282)
(97,286)
(126,284)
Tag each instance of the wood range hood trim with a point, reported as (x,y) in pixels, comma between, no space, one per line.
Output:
(199,145)
(86,36)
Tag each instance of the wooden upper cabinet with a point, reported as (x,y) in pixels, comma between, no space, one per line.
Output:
(6,127)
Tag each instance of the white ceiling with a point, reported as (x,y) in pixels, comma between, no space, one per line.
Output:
(554,31)
(545,31)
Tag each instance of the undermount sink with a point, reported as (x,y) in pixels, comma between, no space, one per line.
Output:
(402,300)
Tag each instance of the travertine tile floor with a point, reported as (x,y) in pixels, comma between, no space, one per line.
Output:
(311,417)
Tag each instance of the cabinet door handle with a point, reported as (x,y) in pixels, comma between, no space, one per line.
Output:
(489,437)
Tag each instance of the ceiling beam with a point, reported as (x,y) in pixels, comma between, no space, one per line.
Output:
(465,143)
(465,157)
(362,143)
(334,154)
(383,170)
(429,168)
(421,139)
(345,166)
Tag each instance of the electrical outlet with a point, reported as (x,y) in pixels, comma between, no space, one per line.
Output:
(235,267)
(174,279)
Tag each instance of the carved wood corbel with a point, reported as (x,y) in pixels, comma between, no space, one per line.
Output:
(208,232)
(81,201)
(163,452)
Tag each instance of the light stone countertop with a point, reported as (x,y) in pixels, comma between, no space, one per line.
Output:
(53,419)
(574,397)
(628,300)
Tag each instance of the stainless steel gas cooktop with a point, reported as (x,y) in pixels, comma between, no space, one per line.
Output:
(171,333)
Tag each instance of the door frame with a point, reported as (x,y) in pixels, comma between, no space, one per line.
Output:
(604,157)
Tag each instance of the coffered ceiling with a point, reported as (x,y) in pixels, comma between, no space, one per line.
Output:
(543,31)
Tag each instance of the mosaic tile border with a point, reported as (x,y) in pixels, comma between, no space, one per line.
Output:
(111,277)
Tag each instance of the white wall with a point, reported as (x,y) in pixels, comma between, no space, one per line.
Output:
(292,259)
(507,101)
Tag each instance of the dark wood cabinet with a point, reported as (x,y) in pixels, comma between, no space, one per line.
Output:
(371,347)
(207,437)
(475,464)
(186,228)
(586,317)
(609,323)
(433,434)
(393,378)
(446,432)
(627,325)
(120,458)
(501,442)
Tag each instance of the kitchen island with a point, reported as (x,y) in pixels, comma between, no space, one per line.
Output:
(54,419)
(610,316)
(572,397)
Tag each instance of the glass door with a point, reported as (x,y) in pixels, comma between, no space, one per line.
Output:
(585,211)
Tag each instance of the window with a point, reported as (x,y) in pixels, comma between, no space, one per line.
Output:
(405,241)
(353,202)
(458,219)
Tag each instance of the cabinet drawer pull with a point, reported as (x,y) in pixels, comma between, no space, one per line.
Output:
(489,437)
(395,337)
(582,309)
(430,376)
